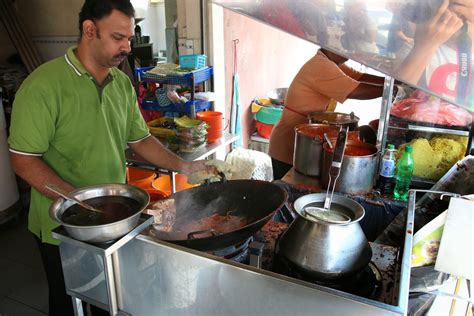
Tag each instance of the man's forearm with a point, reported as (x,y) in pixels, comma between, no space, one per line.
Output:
(157,154)
(367,78)
(38,174)
(366,91)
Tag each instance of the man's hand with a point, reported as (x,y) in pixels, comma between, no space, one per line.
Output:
(194,166)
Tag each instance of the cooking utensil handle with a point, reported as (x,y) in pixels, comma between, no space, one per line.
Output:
(67,197)
(212,232)
(326,138)
(338,155)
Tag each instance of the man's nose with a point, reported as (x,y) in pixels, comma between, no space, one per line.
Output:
(126,46)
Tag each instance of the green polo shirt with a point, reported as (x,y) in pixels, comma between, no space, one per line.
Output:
(78,128)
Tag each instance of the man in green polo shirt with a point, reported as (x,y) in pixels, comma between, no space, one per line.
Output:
(72,119)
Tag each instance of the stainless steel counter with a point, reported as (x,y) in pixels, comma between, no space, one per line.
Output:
(296,178)
(211,148)
(146,276)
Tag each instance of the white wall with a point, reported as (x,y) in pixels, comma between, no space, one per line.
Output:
(154,25)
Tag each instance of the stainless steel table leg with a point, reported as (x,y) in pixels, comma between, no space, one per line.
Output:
(77,306)
(109,278)
(173,182)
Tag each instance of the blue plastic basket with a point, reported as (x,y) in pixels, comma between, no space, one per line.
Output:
(192,61)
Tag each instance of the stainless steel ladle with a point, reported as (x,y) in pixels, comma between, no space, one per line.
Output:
(334,172)
(70,198)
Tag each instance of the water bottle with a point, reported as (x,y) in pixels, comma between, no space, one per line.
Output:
(404,173)
(387,173)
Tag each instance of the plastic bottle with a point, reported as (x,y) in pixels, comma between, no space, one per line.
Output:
(404,173)
(387,173)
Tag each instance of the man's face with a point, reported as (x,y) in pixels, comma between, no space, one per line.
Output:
(111,43)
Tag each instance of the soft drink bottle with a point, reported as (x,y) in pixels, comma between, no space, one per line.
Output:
(404,173)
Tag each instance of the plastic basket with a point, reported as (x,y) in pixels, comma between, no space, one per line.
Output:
(162,97)
(192,61)
(160,131)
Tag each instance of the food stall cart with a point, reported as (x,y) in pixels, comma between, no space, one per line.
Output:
(142,275)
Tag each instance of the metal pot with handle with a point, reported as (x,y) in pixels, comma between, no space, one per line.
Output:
(323,250)
(358,169)
(308,153)
(335,118)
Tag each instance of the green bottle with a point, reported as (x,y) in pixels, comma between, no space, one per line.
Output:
(404,173)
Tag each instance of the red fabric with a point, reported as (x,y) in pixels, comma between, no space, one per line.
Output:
(278,14)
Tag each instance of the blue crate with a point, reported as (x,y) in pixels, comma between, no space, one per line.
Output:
(199,105)
(185,79)
(192,61)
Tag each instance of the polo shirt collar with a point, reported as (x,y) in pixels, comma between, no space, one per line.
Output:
(76,65)
(74,62)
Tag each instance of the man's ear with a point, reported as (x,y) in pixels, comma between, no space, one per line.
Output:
(89,29)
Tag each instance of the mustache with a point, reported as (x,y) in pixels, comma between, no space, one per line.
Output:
(122,54)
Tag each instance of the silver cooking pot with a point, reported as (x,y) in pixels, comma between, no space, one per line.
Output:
(335,118)
(358,171)
(323,250)
(308,152)
(106,232)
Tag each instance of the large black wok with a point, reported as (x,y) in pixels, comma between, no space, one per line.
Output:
(255,201)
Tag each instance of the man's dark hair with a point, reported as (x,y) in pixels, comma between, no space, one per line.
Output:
(97,9)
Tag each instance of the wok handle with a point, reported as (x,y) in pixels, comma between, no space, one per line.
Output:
(212,232)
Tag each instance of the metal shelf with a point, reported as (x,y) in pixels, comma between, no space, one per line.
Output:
(188,79)
(426,129)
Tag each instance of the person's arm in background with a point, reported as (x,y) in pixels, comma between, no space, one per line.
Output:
(154,152)
(428,38)
(38,174)
(372,79)
(366,91)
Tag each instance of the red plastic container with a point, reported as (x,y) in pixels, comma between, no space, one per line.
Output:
(263,129)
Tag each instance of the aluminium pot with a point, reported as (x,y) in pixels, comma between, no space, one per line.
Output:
(335,118)
(106,232)
(308,152)
(358,168)
(323,250)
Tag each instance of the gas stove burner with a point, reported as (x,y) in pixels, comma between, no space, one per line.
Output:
(238,253)
(367,283)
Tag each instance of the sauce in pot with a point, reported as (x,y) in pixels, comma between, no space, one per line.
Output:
(313,131)
(114,209)
(358,151)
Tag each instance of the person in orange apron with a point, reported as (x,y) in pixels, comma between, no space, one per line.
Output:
(323,81)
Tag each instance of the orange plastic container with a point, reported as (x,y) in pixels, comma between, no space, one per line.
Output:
(214,120)
(163,183)
(155,195)
(140,178)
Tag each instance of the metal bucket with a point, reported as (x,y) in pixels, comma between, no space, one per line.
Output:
(357,172)
(106,232)
(308,153)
